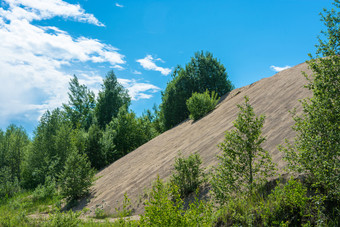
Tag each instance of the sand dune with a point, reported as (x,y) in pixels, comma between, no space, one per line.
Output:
(273,97)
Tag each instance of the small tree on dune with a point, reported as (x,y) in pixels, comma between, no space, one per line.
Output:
(77,176)
(244,164)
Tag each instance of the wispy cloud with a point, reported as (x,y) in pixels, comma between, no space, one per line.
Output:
(32,56)
(279,69)
(139,90)
(136,72)
(119,5)
(45,9)
(148,63)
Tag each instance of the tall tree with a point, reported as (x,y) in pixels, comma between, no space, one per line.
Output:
(112,96)
(80,105)
(203,72)
(244,164)
(94,148)
(316,149)
(329,44)
(13,145)
(126,133)
(46,153)
(76,177)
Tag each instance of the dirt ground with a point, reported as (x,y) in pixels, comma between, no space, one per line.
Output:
(274,97)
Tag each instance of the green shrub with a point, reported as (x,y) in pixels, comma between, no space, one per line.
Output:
(237,212)
(199,104)
(8,185)
(291,205)
(60,219)
(126,209)
(48,190)
(100,213)
(164,210)
(188,174)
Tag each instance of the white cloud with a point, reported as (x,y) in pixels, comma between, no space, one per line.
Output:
(279,69)
(148,63)
(119,5)
(32,56)
(136,72)
(45,9)
(119,67)
(139,90)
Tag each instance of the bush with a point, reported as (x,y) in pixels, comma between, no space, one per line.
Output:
(48,190)
(8,185)
(199,104)
(77,177)
(165,210)
(188,174)
(291,205)
(69,218)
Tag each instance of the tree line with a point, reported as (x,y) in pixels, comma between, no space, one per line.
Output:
(99,130)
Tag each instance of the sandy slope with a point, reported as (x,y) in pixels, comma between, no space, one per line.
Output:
(132,174)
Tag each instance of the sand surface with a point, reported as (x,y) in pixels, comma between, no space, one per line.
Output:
(274,97)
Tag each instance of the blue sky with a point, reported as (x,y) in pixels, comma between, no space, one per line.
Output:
(44,42)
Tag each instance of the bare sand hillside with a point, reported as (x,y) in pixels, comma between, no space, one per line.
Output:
(132,174)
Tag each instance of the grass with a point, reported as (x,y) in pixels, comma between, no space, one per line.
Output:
(289,203)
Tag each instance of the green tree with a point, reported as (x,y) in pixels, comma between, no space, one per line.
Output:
(94,148)
(126,134)
(329,44)
(80,105)
(203,72)
(244,164)
(47,153)
(316,148)
(112,96)
(13,146)
(77,176)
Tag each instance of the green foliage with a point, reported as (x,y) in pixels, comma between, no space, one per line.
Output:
(110,99)
(126,210)
(46,191)
(77,176)
(163,210)
(153,121)
(316,149)
(289,204)
(80,105)
(128,134)
(244,165)
(188,174)
(149,125)
(60,219)
(286,205)
(124,134)
(8,185)
(95,150)
(199,104)
(13,145)
(44,157)
(99,213)
(203,72)
(329,44)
